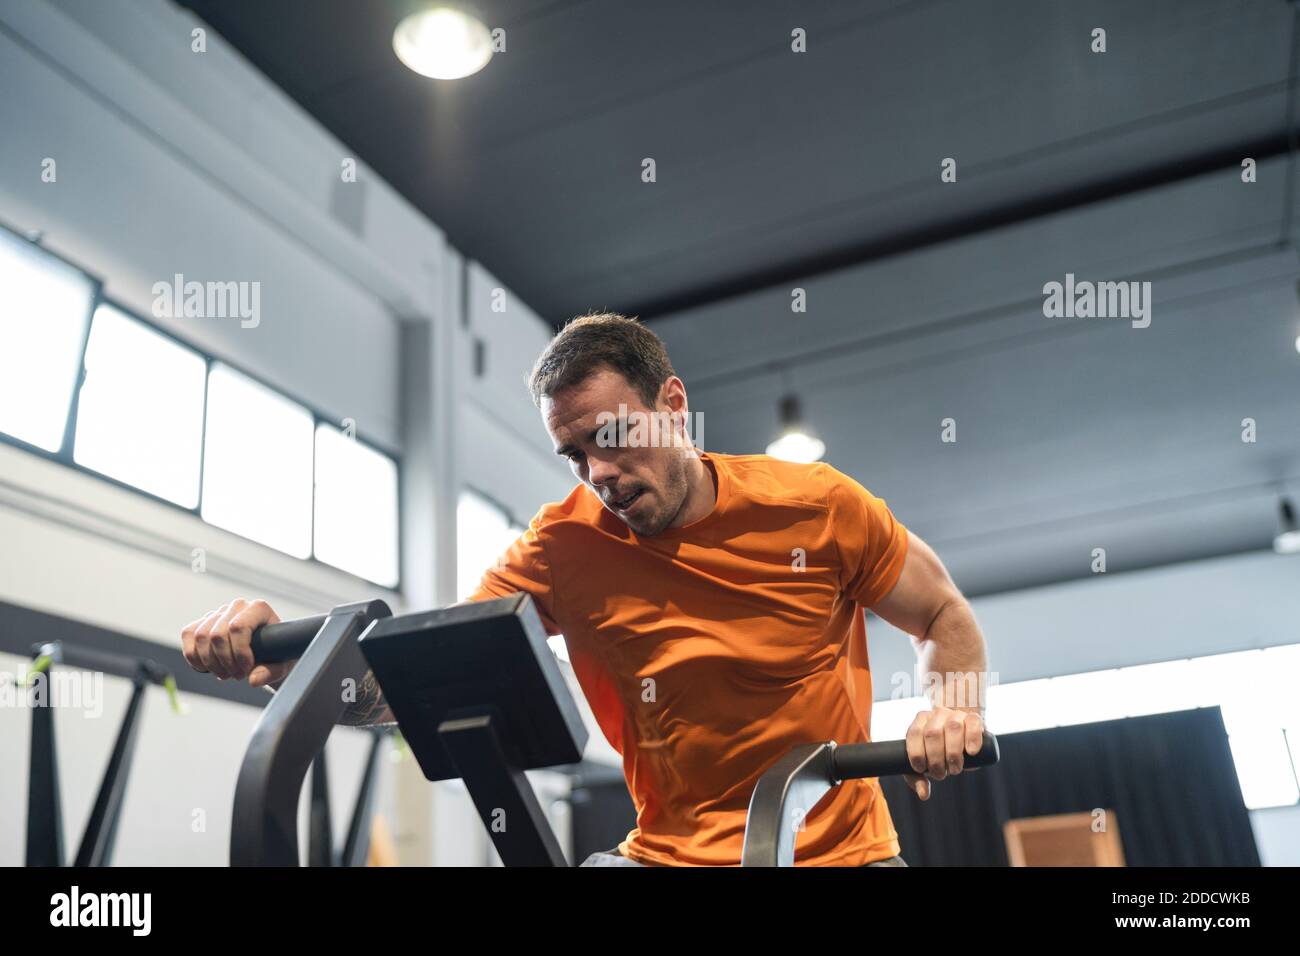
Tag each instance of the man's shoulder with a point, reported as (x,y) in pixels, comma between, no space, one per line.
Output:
(579,506)
(762,477)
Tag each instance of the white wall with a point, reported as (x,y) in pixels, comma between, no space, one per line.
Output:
(1119,620)
(1277,833)
(170,162)
(79,547)
(503,443)
(173,161)
(176,809)
(136,200)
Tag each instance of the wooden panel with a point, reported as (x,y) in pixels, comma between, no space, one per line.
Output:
(1066,839)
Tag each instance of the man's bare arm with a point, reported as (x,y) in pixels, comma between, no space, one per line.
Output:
(926,605)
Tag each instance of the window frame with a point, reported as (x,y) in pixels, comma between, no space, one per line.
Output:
(64,456)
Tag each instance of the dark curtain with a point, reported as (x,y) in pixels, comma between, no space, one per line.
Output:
(1169,779)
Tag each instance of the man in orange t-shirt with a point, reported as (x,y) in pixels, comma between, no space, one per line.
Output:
(713,609)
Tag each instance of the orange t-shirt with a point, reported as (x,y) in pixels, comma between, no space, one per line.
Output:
(707,651)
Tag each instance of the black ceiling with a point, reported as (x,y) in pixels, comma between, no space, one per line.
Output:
(771,165)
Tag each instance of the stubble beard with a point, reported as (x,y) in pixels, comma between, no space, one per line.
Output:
(673,495)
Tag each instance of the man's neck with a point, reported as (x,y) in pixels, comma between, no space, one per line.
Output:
(701,492)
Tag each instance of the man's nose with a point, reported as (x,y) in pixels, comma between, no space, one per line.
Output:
(602,472)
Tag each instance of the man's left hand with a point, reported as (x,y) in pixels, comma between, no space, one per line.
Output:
(937,744)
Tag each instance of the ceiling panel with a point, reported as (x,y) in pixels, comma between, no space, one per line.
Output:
(770,164)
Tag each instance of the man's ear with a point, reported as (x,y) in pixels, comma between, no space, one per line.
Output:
(673,394)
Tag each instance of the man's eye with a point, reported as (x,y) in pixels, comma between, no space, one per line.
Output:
(575,456)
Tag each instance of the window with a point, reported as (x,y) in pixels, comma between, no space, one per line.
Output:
(1162,688)
(483,533)
(165,418)
(44,308)
(1020,706)
(1264,768)
(356,507)
(1281,664)
(1261,714)
(891,718)
(257,463)
(1254,690)
(559,647)
(140,415)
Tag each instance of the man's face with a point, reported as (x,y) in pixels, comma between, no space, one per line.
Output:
(644,483)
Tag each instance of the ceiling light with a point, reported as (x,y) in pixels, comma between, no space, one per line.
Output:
(796,441)
(443,43)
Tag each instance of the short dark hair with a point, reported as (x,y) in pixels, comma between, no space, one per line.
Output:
(602,340)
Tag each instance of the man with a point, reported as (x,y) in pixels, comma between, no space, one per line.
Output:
(713,610)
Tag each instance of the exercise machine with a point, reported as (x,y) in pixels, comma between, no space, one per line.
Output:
(475,690)
(478,696)
(44,802)
(792,787)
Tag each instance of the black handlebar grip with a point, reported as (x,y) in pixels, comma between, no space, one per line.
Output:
(889,757)
(285,641)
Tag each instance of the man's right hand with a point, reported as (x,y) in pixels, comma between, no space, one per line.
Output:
(220,643)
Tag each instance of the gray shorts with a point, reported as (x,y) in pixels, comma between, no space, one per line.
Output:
(614,858)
